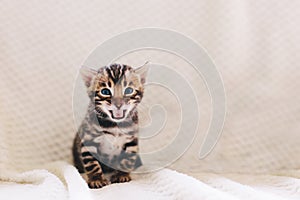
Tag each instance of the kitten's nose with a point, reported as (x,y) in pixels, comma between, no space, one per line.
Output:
(118,105)
(118,102)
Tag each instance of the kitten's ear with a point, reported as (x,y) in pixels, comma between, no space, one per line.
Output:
(87,75)
(142,71)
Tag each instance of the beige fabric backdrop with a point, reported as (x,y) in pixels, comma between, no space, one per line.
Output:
(255,45)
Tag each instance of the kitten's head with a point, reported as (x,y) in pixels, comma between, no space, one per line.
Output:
(116,89)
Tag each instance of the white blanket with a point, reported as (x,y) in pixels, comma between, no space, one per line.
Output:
(62,181)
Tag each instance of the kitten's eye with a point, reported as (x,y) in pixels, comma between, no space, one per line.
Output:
(128,90)
(105,91)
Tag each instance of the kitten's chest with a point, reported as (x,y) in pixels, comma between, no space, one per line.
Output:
(112,144)
(108,140)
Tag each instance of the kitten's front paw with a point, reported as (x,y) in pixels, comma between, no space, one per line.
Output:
(120,178)
(95,184)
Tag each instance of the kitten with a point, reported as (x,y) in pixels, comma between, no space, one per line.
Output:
(107,140)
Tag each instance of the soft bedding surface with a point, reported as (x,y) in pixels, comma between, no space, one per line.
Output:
(62,181)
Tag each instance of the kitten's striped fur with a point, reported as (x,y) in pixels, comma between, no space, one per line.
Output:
(107,140)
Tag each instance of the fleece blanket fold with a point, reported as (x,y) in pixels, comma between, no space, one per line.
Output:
(61,180)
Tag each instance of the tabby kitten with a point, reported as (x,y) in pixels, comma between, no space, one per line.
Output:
(107,140)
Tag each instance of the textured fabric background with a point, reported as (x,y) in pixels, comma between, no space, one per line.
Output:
(255,45)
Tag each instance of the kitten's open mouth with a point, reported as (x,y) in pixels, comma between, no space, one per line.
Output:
(117,114)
